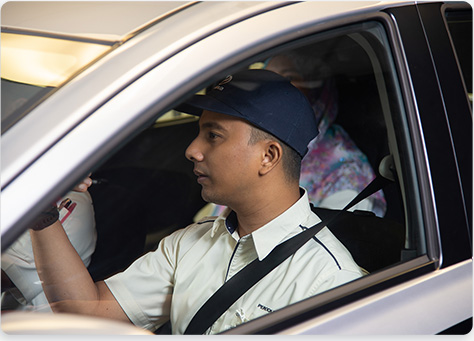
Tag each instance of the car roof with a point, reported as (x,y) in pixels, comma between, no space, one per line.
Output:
(114,21)
(108,21)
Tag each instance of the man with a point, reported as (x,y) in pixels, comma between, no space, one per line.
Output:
(254,130)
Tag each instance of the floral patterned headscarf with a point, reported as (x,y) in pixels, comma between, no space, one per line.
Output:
(334,162)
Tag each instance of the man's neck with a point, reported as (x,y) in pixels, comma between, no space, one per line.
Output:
(260,212)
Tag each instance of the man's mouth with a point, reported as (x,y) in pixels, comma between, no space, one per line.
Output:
(200,176)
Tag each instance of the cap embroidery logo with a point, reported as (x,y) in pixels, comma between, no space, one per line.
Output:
(223,82)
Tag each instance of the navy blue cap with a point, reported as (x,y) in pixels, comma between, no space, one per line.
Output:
(266,100)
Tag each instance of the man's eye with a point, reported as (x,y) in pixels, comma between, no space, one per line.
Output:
(213,136)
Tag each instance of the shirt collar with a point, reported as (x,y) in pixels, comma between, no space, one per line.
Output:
(222,221)
(267,237)
(274,232)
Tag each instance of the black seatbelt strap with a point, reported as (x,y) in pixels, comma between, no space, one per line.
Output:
(246,278)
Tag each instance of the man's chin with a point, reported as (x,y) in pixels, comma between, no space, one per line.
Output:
(211,197)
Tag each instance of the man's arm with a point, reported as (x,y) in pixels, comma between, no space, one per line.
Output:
(65,279)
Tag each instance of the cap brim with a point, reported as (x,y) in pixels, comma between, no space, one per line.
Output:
(198,103)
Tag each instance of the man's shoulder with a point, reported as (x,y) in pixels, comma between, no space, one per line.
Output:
(336,250)
(192,231)
(206,220)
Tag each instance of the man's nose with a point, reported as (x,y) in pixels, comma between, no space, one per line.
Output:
(193,152)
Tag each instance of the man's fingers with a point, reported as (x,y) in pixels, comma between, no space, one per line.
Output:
(84,185)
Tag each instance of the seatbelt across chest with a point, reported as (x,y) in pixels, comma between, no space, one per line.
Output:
(246,278)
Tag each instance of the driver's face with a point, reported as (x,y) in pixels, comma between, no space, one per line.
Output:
(225,163)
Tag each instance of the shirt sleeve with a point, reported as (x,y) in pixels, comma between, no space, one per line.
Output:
(332,276)
(336,279)
(145,288)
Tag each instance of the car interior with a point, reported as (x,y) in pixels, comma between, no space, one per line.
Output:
(147,189)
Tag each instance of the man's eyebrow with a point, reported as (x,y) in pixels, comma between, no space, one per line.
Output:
(212,125)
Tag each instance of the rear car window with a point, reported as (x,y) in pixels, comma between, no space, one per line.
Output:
(460,29)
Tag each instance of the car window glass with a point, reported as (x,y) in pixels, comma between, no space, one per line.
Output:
(460,29)
(33,66)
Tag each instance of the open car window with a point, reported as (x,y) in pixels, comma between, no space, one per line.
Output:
(355,86)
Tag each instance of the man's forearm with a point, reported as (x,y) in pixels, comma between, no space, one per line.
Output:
(66,281)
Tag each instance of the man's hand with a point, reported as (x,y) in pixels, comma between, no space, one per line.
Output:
(84,185)
(51,214)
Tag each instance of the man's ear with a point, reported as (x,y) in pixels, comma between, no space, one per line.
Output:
(272,156)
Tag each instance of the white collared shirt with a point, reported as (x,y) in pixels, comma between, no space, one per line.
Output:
(188,266)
